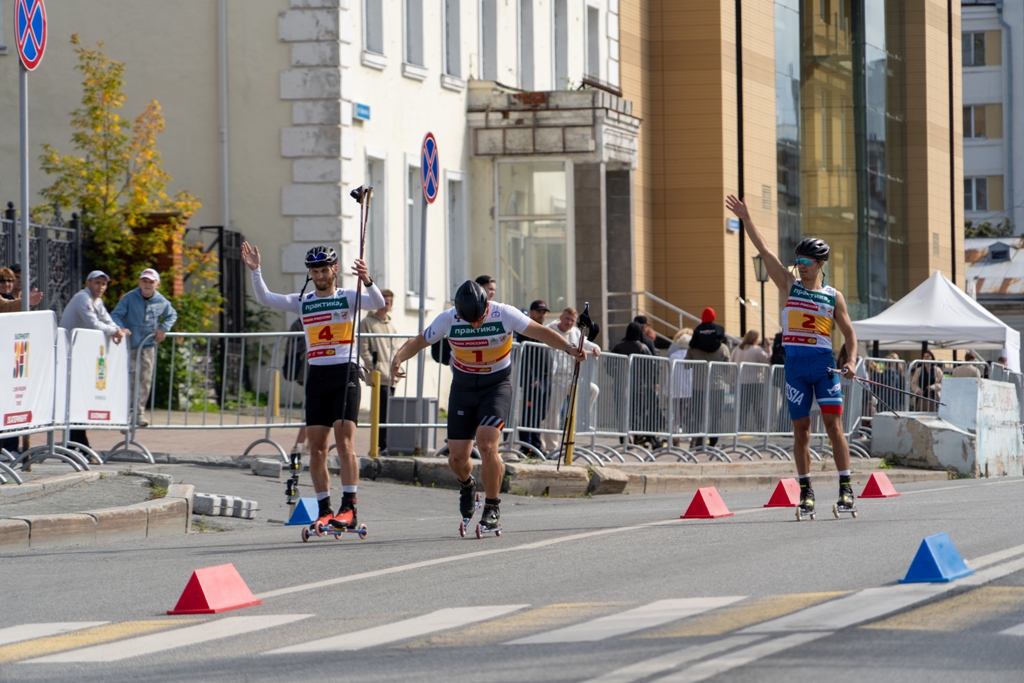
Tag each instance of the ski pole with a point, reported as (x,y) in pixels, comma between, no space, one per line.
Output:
(569,426)
(362,195)
(864,380)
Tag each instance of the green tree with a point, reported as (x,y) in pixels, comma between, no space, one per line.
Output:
(117,181)
(986,229)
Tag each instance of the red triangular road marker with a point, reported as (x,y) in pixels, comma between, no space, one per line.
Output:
(706,504)
(786,495)
(214,589)
(879,486)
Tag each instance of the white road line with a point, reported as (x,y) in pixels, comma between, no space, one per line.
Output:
(992,558)
(712,667)
(1017,630)
(169,640)
(648,616)
(16,634)
(441,620)
(650,667)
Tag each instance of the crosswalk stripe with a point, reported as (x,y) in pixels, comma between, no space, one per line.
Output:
(83,638)
(651,667)
(958,612)
(737,616)
(733,660)
(520,623)
(440,620)
(159,642)
(16,634)
(630,621)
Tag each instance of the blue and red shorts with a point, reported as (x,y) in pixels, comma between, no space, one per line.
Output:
(807,379)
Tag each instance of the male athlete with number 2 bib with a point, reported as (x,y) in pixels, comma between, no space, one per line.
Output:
(480,333)
(811,309)
(327,318)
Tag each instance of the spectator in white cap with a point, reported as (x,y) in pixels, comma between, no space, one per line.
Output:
(86,310)
(144,312)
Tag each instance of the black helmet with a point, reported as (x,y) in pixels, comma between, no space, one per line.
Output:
(321,256)
(470,301)
(813,248)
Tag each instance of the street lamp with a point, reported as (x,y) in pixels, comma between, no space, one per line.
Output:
(761,273)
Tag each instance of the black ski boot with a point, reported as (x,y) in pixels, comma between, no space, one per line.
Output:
(469,499)
(489,519)
(806,507)
(846,502)
(346,517)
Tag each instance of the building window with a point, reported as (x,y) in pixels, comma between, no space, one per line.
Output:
(373,11)
(458,239)
(974,49)
(526,81)
(414,32)
(534,260)
(377,225)
(489,39)
(974,121)
(413,197)
(452,38)
(593,42)
(561,51)
(975,194)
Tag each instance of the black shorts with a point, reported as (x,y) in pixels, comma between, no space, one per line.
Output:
(324,395)
(475,401)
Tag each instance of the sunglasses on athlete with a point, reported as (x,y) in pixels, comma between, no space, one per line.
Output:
(804,261)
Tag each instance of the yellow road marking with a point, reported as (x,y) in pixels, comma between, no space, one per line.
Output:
(517,625)
(958,612)
(91,636)
(743,614)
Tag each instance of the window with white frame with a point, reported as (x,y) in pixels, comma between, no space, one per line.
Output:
(533,217)
(414,32)
(373,18)
(974,121)
(458,239)
(973,50)
(975,194)
(377,226)
(452,38)
(526,49)
(413,197)
(489,40)
(561,51)
(593,42)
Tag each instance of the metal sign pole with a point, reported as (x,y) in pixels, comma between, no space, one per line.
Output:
(421,412)
(26,268)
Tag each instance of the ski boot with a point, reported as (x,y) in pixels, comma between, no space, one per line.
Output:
(469,502)
(489,518)
(806,507)
(846,502)
(322,523)
(346,520)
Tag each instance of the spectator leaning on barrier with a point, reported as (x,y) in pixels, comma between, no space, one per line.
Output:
(6,284)
(144,311)
(647,335)
(968,370)
(680,342)
(535,378)
(376,354)
(87,311)
(16,269)
(926,382)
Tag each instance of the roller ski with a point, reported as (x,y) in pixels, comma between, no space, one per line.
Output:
(806,507)
(489,520)
(846,503)
(291,488)
(469,503)
(329,524)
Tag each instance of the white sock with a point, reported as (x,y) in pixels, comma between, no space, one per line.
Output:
(844,473)
(320,495)
(348,489)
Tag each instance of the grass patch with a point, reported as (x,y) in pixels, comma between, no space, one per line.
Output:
(157,492)
(202,526)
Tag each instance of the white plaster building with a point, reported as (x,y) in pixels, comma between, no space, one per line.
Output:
(993,101)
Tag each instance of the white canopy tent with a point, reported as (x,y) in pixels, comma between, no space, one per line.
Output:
(939,313)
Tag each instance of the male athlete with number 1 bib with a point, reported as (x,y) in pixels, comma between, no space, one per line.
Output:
(811,309)
(327,318)
(480,333)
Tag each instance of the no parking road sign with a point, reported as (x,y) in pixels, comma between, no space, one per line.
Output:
(430,168)
(30,30)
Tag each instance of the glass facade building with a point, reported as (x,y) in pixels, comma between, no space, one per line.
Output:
(841,142)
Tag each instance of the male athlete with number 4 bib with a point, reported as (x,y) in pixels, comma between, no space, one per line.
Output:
(327,318)
(480,333)
(811,309)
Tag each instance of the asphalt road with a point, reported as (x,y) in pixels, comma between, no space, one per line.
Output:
(613,586)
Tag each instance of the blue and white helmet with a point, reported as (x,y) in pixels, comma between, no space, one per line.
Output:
(321,256)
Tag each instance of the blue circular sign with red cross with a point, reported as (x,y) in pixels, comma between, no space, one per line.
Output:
(30,31)
(430,168)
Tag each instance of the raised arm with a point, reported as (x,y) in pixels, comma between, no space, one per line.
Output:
(279,302)
(779,274)
(842,317)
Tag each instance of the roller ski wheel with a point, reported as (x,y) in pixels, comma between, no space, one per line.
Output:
(482,529)
(489,521)
(305,534)
(802,514)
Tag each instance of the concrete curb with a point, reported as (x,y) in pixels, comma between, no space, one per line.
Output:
(167,516)
(12,493)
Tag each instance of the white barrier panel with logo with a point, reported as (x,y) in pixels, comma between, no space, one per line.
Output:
(26,369)
(60,393)
(99,380)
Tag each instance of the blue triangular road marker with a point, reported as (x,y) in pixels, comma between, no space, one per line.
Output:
(306,512)
(937,561)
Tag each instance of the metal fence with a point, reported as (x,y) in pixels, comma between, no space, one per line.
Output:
(55,257)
